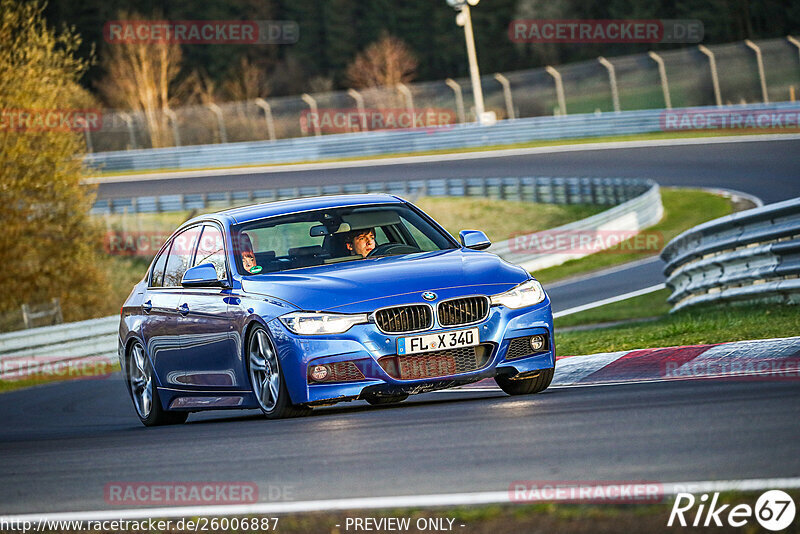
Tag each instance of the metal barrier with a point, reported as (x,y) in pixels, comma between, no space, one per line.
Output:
(28,351)
(631,216)
(751,255)
(365,144)
(546,190)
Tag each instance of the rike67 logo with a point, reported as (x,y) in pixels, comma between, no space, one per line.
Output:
(774,510)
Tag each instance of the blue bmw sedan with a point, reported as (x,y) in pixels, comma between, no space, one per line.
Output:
(300,303)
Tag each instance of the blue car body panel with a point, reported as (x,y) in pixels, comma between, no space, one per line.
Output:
(199,358)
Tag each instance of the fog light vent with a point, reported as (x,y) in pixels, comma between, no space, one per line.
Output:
(335,372)
(521,347)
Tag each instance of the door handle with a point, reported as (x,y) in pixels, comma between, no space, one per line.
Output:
(147,306)
(183,309)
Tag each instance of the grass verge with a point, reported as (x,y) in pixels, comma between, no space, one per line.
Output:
(651,305)
(695,326)
(455,214)
(683,209)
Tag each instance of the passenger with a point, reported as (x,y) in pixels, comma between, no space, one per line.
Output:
(361,241)
(248,256)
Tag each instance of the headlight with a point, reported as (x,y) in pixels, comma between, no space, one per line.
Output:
(526,294)
(310,324)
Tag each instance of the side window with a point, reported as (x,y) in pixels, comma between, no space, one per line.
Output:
(157,277)
(211,249)
(180,256)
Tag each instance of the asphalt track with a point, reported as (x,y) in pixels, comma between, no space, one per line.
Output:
(61,444)
(767,169)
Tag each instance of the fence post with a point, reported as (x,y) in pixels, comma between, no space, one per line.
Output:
(662,74)
(712,62)
(562,101)
(131,134)
(26,315)
(312,104)
(795,42)
(174,120)
(612,79)
(260,102)
(506,94)
(58,317)
(216,110)
(355,95)
(760,62)
(406,92)
(88,136)
(451,83)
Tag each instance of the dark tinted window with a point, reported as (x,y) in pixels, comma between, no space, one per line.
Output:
(180,256)
(157,277)
(211,249)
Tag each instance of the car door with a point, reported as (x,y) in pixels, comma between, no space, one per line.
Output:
(160,325)
(205,323)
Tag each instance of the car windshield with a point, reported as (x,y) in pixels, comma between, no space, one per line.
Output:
(334,235)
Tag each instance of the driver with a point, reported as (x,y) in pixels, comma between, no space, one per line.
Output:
(361,241)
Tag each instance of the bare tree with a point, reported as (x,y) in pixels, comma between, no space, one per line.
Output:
(386,62)
(247,82)
(197,88)
(140,77)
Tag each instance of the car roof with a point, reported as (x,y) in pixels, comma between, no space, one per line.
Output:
(286,207)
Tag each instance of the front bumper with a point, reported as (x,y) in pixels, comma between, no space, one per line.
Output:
(365,345)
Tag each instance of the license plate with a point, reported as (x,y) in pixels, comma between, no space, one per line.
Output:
(439,341)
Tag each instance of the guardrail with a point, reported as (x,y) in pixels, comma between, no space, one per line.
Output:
(632,215)
(547,190)
(751,255)
(416,140)
(28,351)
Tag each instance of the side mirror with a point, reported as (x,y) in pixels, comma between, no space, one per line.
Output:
(204,275)
(474,239)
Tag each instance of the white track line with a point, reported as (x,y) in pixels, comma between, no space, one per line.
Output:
(364,503)
(459,156)
(610,300)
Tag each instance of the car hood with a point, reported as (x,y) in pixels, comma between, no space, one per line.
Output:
(365,285)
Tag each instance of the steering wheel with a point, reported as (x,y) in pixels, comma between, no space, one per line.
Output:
(389,249)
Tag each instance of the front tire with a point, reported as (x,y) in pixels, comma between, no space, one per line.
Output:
(266,378)
(141,384)
(526,386)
